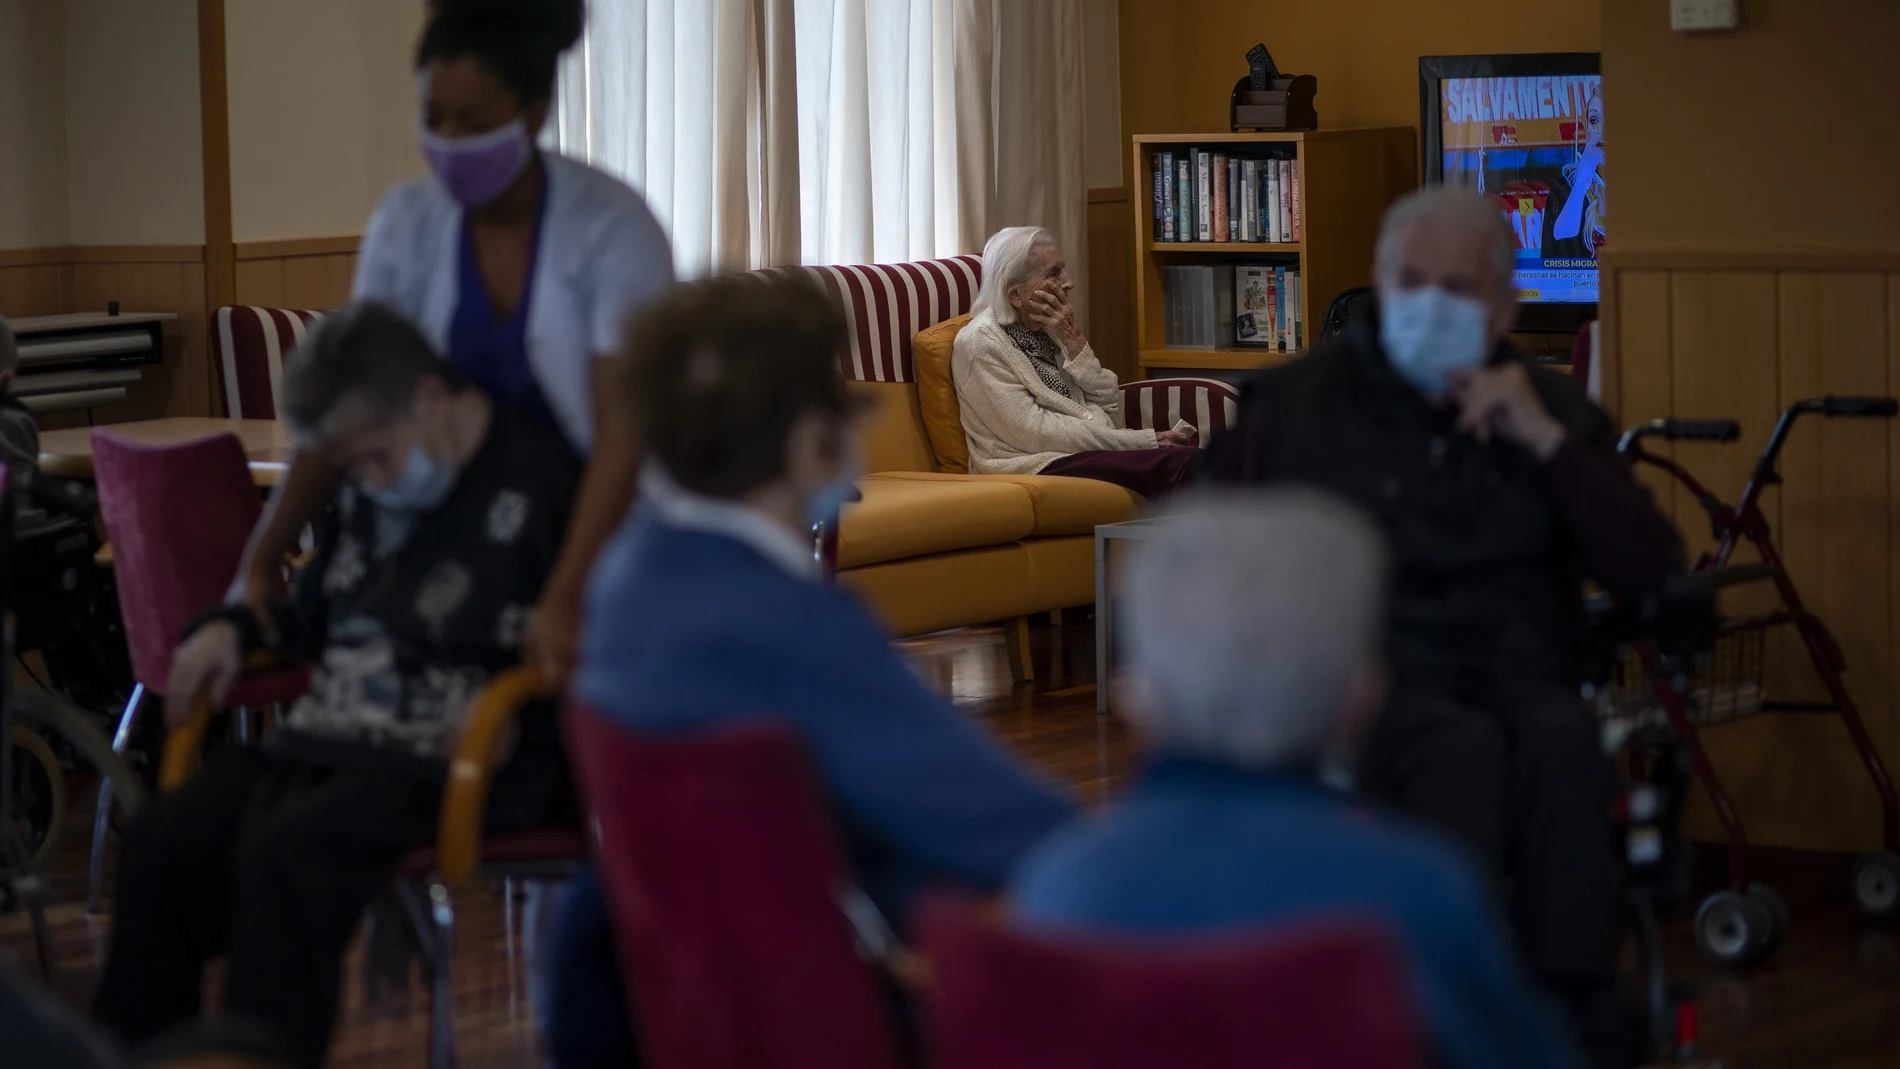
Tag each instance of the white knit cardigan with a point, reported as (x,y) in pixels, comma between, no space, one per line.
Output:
(1016,425)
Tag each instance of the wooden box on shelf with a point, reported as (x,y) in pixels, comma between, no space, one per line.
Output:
(1344,181)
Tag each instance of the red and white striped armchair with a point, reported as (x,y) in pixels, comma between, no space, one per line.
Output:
(250,345)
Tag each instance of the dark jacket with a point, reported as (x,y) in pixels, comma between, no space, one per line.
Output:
(1489,546)
(405,635)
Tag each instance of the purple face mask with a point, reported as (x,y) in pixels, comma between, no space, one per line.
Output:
(476,170)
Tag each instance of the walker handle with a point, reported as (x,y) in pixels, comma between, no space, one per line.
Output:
(1875,407)
(1696,430)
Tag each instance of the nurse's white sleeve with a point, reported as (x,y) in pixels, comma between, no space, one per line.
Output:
(632,264)
(378,258)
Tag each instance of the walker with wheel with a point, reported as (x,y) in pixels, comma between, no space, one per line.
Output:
(1661,700)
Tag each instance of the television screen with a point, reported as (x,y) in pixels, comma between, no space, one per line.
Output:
(1534,144)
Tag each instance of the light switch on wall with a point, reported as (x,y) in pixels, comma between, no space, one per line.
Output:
(1697,15)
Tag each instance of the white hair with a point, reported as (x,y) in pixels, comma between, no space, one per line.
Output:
(1453,204)
(1007,260)
(1248,616)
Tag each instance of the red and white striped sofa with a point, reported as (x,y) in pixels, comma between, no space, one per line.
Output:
(250,345)
(932,547)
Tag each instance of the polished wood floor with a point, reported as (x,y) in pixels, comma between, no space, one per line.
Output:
(1829,1000)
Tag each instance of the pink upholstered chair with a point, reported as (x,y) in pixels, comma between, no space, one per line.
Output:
(1155,404)
(177,517)
(250,345)
(1317,997)
(723,881)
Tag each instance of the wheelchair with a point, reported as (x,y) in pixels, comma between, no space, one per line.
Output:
(61,605)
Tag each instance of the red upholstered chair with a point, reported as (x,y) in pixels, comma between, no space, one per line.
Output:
(1155,404)
(723,881)
(250,345)
(177,517)
(1313,997)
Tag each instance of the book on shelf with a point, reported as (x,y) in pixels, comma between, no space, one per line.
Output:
(1270,199)
(1203,210)
(1183,197)
(1293,173)
(1219,184)
(1279,312)
(1294,338)
(1285,168)
(1249,203)
(1234,200)
(1253,305)
(1162,165)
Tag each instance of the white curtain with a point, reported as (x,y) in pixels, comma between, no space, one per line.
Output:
(768,132)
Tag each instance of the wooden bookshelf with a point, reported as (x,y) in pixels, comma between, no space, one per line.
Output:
(1347,177)
(1226,358)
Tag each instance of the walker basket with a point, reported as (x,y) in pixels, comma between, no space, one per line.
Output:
(1723,683)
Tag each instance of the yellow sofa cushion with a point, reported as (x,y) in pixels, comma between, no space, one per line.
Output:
(892,434)
(937,395)
(901,517)
(1062,505)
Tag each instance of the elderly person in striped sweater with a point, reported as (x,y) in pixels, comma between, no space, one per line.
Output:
(1034,397)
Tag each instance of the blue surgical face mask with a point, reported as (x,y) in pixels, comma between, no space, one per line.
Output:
(423,483)
(827,500)
(1429,334)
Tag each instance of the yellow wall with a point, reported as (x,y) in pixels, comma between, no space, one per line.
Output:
(1101,74)
(322,106)
(33,198)
(1778,135)
(1754,260)
(135,159)
(1180,58)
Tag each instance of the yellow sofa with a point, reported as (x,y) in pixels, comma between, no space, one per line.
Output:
(930,550)
(929,546)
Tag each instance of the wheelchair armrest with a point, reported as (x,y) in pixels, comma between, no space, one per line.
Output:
(185,742)
(460,831)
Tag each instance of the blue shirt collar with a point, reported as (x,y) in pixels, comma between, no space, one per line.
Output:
(681,508)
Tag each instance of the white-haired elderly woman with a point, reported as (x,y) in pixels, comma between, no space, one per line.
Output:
(1034,397)
(1254,626)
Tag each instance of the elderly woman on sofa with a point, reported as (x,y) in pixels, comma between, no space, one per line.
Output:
(1034,399)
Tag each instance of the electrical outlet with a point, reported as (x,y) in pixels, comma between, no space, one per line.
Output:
(1697,15)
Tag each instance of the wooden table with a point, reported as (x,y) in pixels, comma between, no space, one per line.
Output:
(68,453)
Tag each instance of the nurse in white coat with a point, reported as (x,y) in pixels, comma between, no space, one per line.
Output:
(519,265)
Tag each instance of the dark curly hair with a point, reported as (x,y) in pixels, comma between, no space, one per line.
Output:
(519,41)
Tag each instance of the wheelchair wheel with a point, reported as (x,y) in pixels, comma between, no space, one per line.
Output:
(1876,884)
(39,794)
(1732,928)
(1777,916)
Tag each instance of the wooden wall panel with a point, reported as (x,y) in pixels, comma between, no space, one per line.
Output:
(260,282)
(1744,336)
(1111,323)
(1643,389)
(148,278)
(35,289)
(314,273)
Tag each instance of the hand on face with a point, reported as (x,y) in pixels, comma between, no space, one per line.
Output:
(1500,401)
(1047,308)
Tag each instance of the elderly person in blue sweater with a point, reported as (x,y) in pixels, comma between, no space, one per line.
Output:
(1253,626)
(708,607)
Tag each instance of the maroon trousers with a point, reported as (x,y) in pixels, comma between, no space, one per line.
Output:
(1152,473)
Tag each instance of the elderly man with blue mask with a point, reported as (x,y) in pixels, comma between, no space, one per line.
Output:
(1498,485)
